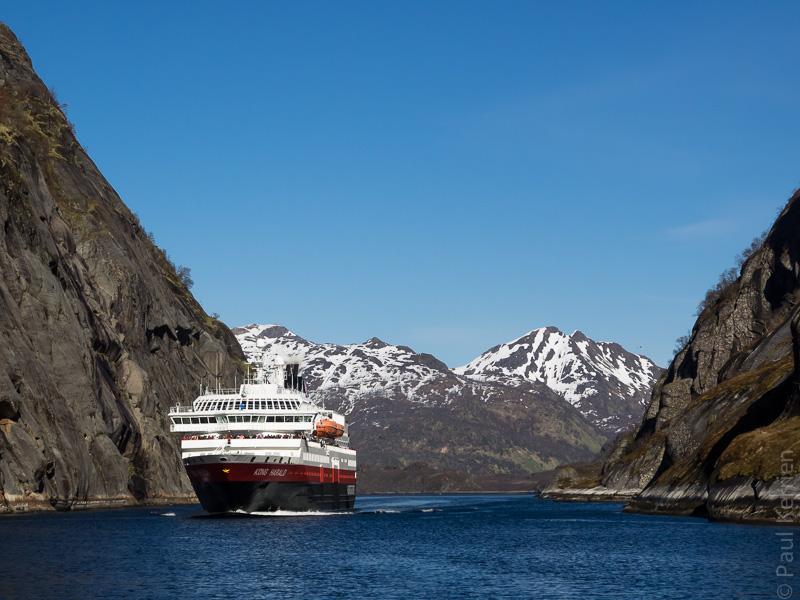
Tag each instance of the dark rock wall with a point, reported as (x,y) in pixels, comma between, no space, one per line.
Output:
(98,335)
(721,435)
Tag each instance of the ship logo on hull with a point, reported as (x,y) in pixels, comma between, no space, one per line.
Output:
(270,472)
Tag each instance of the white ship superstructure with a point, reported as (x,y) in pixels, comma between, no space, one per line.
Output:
(266,446)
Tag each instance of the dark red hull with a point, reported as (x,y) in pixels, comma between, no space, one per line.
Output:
(252,487)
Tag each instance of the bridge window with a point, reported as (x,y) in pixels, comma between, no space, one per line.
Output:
(271,419)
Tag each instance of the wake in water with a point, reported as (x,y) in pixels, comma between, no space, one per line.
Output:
(289,513)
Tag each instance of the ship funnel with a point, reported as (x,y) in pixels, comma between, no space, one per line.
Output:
(291,369)
(291,377)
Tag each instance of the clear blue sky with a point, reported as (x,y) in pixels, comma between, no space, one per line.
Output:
(441,175)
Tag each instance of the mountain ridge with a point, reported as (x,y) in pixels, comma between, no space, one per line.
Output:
(406,407)
(608,384)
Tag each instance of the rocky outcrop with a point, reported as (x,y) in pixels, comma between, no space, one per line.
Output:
(721,435)
(99,334)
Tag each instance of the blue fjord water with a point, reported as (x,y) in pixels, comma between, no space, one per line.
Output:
(459,546)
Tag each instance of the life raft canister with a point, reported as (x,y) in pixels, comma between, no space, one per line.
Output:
(328,428)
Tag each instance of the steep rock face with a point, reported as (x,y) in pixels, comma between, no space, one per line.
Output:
(721,435)
(99,335)
(607,384)
(408,408)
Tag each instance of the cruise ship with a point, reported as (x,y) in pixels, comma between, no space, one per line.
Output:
(266,446)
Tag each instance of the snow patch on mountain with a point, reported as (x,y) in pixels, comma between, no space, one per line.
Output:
(357,369)
(608,384)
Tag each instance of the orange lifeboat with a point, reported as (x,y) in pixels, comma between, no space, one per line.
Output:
(328,428)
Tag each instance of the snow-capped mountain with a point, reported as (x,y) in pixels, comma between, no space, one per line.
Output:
(607,384)
(407,407)
(354,369)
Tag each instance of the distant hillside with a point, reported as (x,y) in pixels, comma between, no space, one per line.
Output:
(410,408)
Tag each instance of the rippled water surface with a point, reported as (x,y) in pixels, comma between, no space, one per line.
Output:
(487,546)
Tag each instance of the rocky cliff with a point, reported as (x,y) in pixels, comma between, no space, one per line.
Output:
(721,435)
(99,334)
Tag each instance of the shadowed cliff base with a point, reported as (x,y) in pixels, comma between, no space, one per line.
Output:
(721,435)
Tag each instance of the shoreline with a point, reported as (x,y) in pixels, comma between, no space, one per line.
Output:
(98,505)
(631,506)
(573,496)
(95,505)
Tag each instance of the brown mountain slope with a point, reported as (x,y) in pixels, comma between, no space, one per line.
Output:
(99,335)
(721,435)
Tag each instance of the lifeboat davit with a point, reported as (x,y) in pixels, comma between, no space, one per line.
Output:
(328,428)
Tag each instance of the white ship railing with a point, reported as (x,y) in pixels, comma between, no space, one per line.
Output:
(220,392)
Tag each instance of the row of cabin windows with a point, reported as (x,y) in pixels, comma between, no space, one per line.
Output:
(249,405)
(243,419)
(269,419)
(194,420)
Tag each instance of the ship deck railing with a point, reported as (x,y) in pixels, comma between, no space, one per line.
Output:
(239,436)
(220,392)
